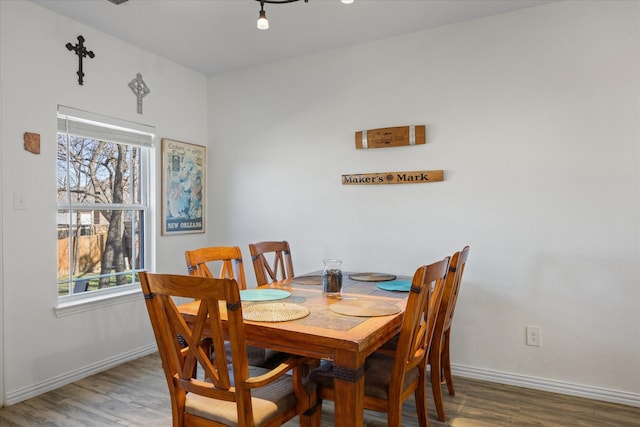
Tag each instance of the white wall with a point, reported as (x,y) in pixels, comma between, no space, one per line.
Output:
(37,73)
(534,117)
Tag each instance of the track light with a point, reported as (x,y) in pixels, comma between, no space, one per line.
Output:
(263,22)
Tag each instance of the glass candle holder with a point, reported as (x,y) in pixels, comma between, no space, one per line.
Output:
(332,276)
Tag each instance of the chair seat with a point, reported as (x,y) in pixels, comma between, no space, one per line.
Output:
(268,401)
(392,344)
(260,357)
(377,375)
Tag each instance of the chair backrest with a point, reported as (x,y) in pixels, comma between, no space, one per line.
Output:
(435,303)
(418,321)
(179,362)
(452,287)
(230,258)
(281,265)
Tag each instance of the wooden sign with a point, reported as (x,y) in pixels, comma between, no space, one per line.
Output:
(412,177)
(32,142)
(391,137)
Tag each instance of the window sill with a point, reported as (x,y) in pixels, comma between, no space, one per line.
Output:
(94,302)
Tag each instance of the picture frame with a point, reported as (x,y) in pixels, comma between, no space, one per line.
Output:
(183,187)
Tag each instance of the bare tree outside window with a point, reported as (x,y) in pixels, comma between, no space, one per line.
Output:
(101,213)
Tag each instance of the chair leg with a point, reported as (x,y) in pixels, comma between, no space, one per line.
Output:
(394,416)
(446,363)
(436,383)
(311,418)
(421,403)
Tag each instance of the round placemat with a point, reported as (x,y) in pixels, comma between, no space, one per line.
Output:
(396,285)
(263,294)
(364,308)
(308,280)
(372,277)
(274,312)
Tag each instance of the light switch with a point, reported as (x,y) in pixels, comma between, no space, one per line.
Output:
(19,202)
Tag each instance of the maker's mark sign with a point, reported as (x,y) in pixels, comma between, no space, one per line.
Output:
(412,177)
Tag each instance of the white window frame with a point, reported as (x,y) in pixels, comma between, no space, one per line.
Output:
(84,123)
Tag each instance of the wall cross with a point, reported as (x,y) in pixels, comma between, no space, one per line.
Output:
(140,89)
(82,52)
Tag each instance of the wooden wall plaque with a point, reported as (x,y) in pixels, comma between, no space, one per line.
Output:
(411,177)
(32,142)
(391,137)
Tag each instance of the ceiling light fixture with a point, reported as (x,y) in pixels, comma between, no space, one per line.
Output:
(263,22)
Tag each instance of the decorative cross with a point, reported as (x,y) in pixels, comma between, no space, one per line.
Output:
(82,52)
(140,89)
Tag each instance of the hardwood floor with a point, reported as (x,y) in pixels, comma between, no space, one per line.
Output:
(135,394)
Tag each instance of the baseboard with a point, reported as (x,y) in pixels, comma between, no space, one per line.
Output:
(69,377)
(544,384)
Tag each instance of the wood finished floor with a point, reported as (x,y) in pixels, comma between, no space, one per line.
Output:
(135,394)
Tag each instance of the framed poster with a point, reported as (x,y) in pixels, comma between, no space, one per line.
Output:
(183,187)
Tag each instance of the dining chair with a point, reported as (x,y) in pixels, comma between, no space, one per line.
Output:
(222,395)
(392,376)
(439,355)
(231,267)
(229,257)
(281,265)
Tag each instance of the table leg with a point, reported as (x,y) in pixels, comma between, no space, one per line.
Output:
(349,390)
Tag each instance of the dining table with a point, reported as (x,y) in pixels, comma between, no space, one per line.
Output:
(327,333)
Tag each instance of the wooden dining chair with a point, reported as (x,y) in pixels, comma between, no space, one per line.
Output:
(392,376)
(239,395)
(271,261)
(439,355)
(229,259)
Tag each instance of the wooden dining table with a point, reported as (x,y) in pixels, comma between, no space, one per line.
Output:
(324,334)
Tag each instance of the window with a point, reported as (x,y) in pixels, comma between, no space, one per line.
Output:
(103,206)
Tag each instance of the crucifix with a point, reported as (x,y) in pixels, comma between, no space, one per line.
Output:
(140,89)
(82,52)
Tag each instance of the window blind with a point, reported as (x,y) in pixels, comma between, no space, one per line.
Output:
(103,128)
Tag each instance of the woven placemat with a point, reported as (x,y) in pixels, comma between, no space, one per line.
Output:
(308,280)
(372,277)
(365,308)
(274,312)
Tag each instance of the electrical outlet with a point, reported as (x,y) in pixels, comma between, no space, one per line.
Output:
(534,336)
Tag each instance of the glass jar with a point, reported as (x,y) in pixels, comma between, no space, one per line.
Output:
(332,276)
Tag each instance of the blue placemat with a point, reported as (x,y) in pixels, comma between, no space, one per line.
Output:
(395,285)
(263,294)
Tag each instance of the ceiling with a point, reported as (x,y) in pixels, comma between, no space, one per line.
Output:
(215,36)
